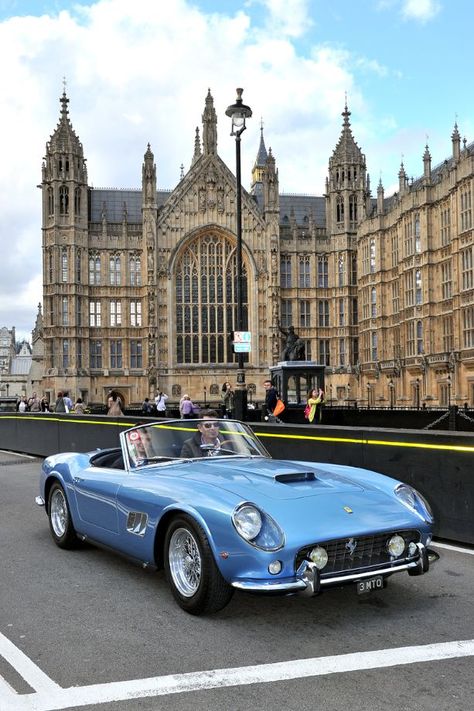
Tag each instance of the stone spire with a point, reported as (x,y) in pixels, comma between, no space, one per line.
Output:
(456,139)
(427,164)
(64,151)
(380,197)
(260,160)
(197,147)
(402,179)
(209,126)
(149,179)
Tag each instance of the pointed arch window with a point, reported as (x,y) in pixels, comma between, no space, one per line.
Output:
(64,200)
(341,270)
(94,268)
(339,209)
(77,201)
(353,208)
(419,338)
(64,265)
(50,202)
(135,270)
(79,266)
(115,272)
(206,300)
(373,302)
(372,255)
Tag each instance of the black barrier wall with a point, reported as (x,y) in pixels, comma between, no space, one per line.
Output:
(438,464)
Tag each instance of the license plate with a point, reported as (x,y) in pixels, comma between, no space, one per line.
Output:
(369,584)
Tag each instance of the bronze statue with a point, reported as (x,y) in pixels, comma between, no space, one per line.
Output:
(294,347)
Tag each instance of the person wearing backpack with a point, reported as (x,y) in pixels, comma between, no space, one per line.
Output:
(313,409)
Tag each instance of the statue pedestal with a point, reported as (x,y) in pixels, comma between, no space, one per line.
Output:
(294,379)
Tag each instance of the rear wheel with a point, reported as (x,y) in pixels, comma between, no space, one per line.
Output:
(60,523)
(195,580)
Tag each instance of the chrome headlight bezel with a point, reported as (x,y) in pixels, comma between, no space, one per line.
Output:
(414,501)
(257,528)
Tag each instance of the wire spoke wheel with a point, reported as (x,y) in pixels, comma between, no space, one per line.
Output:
(185,562)
(59,513)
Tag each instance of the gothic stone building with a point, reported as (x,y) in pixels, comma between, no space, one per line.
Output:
(140,286)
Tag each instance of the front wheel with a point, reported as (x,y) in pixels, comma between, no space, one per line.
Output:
(195,580)
(60,523)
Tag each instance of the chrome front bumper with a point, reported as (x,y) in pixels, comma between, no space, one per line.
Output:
(308,578)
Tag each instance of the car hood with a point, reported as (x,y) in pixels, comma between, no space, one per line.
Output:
(329,502)
(276,479)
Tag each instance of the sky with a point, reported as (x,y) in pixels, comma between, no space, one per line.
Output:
(138,72)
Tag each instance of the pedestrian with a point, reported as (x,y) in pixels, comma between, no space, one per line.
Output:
(147,407)
(227,396)
(315,402)
(22,404)
(67,401)
(186,408)
(160,403)
(271,398)
(79,407)
(114,405)
(44,405)
(34,404)
(60,405)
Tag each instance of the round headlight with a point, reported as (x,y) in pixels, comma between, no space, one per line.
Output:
(275,567)
(319,557)
(396,546)
(248,522)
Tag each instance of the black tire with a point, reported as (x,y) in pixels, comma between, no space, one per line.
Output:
(60,523)
(194,578)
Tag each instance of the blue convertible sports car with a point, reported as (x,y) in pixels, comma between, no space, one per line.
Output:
(204,499)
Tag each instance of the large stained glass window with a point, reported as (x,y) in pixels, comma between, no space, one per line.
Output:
(206,301)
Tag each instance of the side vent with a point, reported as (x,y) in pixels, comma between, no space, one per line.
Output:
(294,477)
(136,523)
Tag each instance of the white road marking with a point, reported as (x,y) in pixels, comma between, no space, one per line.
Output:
(55,698)
(31,673)
(449,547)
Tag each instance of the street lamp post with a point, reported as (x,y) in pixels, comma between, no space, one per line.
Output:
(238,112)
(448,380)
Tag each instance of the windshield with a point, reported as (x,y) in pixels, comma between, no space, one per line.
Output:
(176,439)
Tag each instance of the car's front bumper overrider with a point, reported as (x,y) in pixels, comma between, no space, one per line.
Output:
(308,580)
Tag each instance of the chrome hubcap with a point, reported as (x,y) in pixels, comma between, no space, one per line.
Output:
(185,562)
(58,513)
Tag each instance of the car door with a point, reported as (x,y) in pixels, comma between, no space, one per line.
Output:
(96,497)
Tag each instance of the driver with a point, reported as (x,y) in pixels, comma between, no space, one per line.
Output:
(207,435)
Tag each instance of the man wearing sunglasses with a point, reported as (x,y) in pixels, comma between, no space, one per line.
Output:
(206,442)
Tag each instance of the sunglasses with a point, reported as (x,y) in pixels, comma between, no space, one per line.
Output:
(208,425)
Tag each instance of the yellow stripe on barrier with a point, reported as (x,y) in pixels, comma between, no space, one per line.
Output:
(383,443)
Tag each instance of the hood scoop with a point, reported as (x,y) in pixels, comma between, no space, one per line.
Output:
(294,477)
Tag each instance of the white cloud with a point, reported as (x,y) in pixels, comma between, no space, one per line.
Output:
(421,10)
(288,17)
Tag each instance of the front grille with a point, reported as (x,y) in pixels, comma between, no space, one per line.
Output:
(369,552)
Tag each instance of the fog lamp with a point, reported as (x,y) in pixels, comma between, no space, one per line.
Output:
(396,546)
(319,557)
(275,567)
(412,549)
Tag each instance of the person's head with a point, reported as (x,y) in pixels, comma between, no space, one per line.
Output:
(79,400)
(60,393)
(226,386)
(267,384)
(186,397)
(314,392)
(208,425)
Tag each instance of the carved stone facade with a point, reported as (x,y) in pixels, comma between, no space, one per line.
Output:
(140,286)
